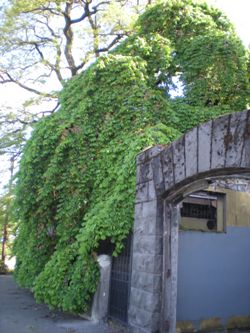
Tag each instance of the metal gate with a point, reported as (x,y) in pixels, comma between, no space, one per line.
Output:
(120,283)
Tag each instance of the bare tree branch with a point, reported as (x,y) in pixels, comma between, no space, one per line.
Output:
(14,121)
(44,38)
(94,28)
(10,79)
(38,10)
(85,14)
(112,43)
(68,33)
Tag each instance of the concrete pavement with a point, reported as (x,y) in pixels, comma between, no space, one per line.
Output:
(20,314)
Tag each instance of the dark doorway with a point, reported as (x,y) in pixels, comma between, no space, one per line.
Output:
(120,283)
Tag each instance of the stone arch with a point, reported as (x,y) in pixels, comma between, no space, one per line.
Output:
(166,174)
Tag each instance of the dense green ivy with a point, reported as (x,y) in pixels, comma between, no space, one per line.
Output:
(76,184)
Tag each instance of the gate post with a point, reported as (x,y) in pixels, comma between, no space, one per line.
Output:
(170,261)
(144,314)
(99,309)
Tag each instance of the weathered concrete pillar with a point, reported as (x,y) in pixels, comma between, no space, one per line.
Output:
(99,309)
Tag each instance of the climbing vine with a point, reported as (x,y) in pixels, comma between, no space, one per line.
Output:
(76,184)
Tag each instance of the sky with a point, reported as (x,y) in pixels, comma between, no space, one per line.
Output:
(238,12)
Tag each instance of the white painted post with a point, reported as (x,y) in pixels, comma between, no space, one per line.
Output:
(99,309)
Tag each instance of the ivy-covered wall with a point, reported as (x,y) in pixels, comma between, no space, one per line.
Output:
(76,184)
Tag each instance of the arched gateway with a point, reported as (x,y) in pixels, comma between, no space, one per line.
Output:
(165,175)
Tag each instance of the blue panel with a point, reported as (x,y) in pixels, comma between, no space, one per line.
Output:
(213,274)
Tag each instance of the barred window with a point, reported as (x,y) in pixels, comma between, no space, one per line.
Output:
(203,211)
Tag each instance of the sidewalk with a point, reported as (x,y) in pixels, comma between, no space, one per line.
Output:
(20,314)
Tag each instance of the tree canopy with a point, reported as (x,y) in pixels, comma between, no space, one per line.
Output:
(43,44)
(76,182)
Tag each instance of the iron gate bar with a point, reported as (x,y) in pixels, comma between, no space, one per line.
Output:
(120,284)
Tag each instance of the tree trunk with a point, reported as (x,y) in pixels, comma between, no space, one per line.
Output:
(4,242)
(5,235)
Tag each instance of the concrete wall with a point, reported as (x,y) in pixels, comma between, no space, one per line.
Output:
(214,270)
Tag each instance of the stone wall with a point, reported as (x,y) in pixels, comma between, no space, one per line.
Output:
(146,281)
(166,174)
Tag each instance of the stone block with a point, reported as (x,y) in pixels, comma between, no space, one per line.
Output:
(138,317)
(138,220)
(245,162)
(138,210)
(143,320)
(145,192)
(150,224)
(146,172)
(147,244)
(141,192)
(168,167)
(138,174)
(159,217)
(147,263)
(235,139)
(153,228)
(179,159)
(148,218)
(191,146)
(151,191)
(148,153)
(204,146)
(145,300)
(149,209)
(158,174)
(220,135)
(140,158)
(147,228)
(147,281)
(154,151)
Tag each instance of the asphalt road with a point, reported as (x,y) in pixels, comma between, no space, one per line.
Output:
(20,314)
